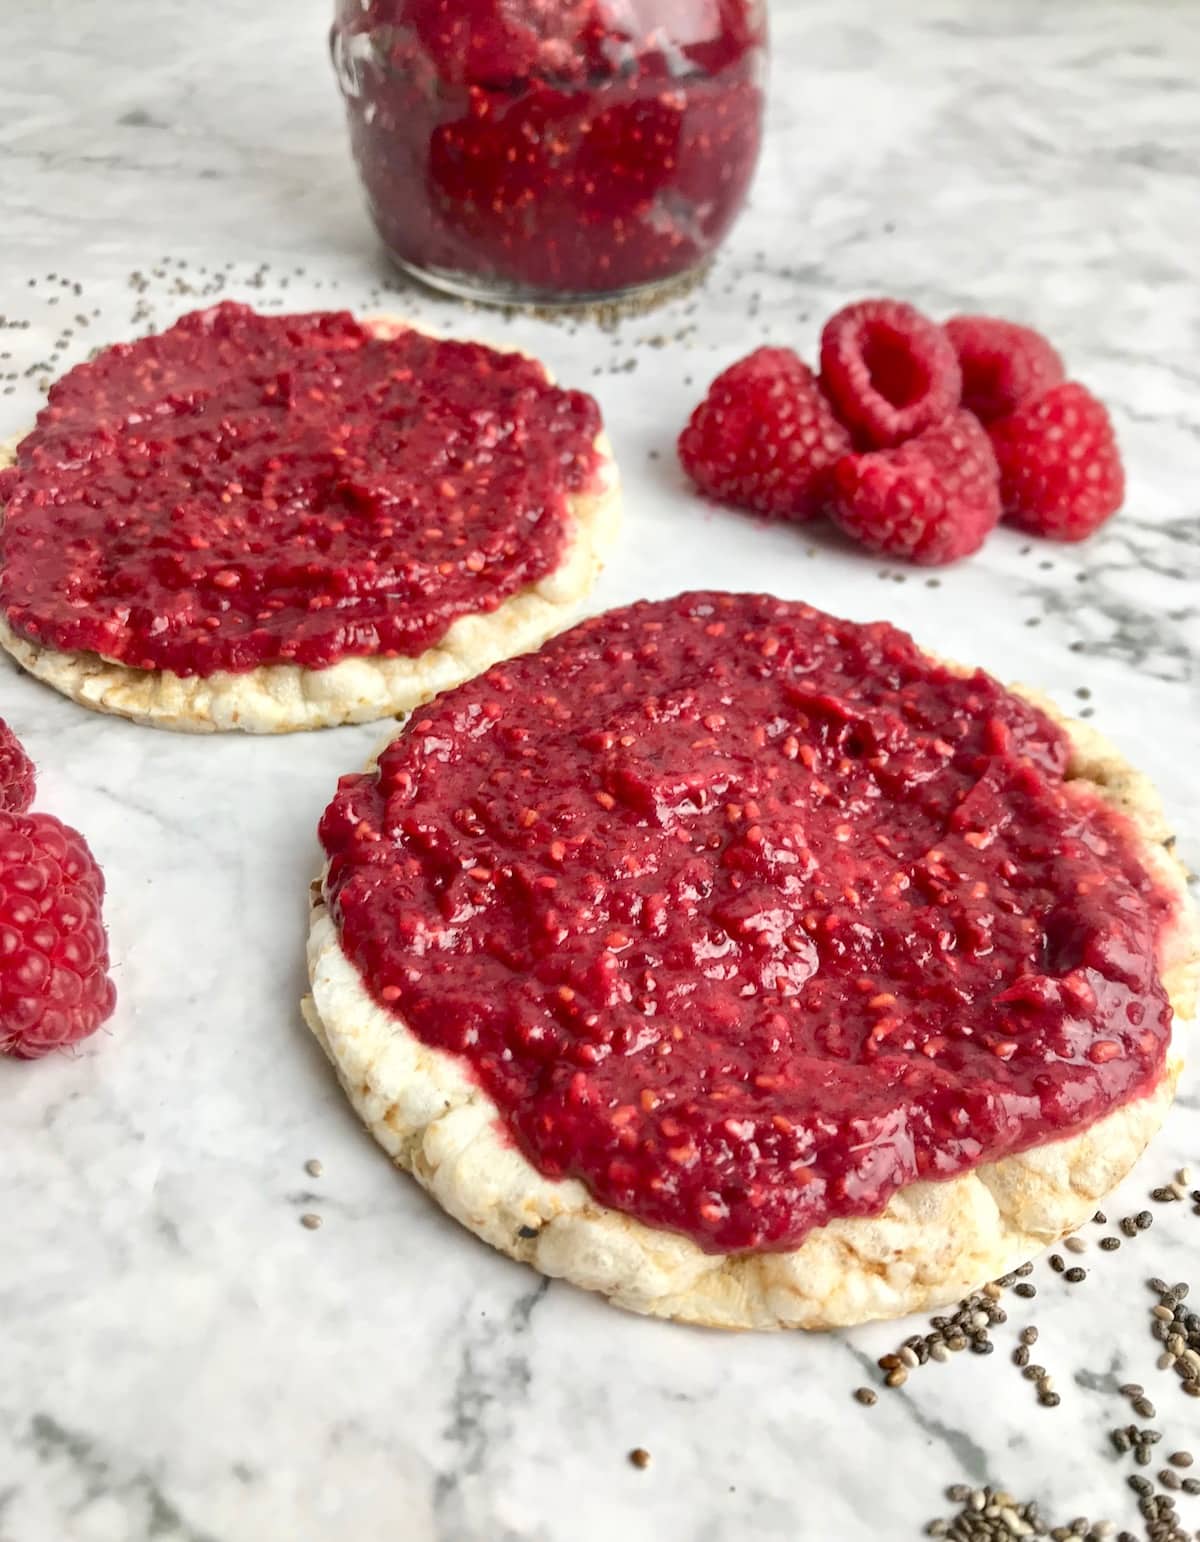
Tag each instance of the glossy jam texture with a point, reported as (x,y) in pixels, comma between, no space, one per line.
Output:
(561,149)
(251,490)
(747,916)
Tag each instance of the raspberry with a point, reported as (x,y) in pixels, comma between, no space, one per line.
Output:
(1060,469)
(764,437)
(1003,364)
(54,985)
(889,371)
(16,773)
(931,500)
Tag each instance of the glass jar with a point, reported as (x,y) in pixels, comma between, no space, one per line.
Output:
(552,150)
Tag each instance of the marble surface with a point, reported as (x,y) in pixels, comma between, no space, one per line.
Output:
(179,1359)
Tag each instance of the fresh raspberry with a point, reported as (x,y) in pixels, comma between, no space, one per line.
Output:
(889,371)
(764,437)
(1003,364)
(54,985)
(1060,469)
(930,500)
(16,773)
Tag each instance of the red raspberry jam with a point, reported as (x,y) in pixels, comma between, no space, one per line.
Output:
(746,916)
(249,490)
(552,149)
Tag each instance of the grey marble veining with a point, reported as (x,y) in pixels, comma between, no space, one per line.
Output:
(179,1359)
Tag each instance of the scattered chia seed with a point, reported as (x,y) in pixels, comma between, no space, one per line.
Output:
(1143,1220)
(1056,1263)
(1180,1459)
(309,1221)
(1075,1244)
(1075,1275)
(640,1458)
(1025,1289)
(992,1515)
(1029,1335)
(313,1168)
(866,1396)
(1110,1244)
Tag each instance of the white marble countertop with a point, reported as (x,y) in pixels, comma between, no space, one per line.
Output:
(179,1359)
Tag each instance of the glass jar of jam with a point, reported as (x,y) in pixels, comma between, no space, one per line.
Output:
(552,150)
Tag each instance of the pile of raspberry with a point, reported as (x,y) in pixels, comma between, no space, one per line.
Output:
(54,984)
(915,438)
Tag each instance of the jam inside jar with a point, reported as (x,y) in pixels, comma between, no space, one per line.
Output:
(552,150)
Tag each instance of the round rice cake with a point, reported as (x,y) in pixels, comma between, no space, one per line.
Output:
(753,968)
(291,522)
